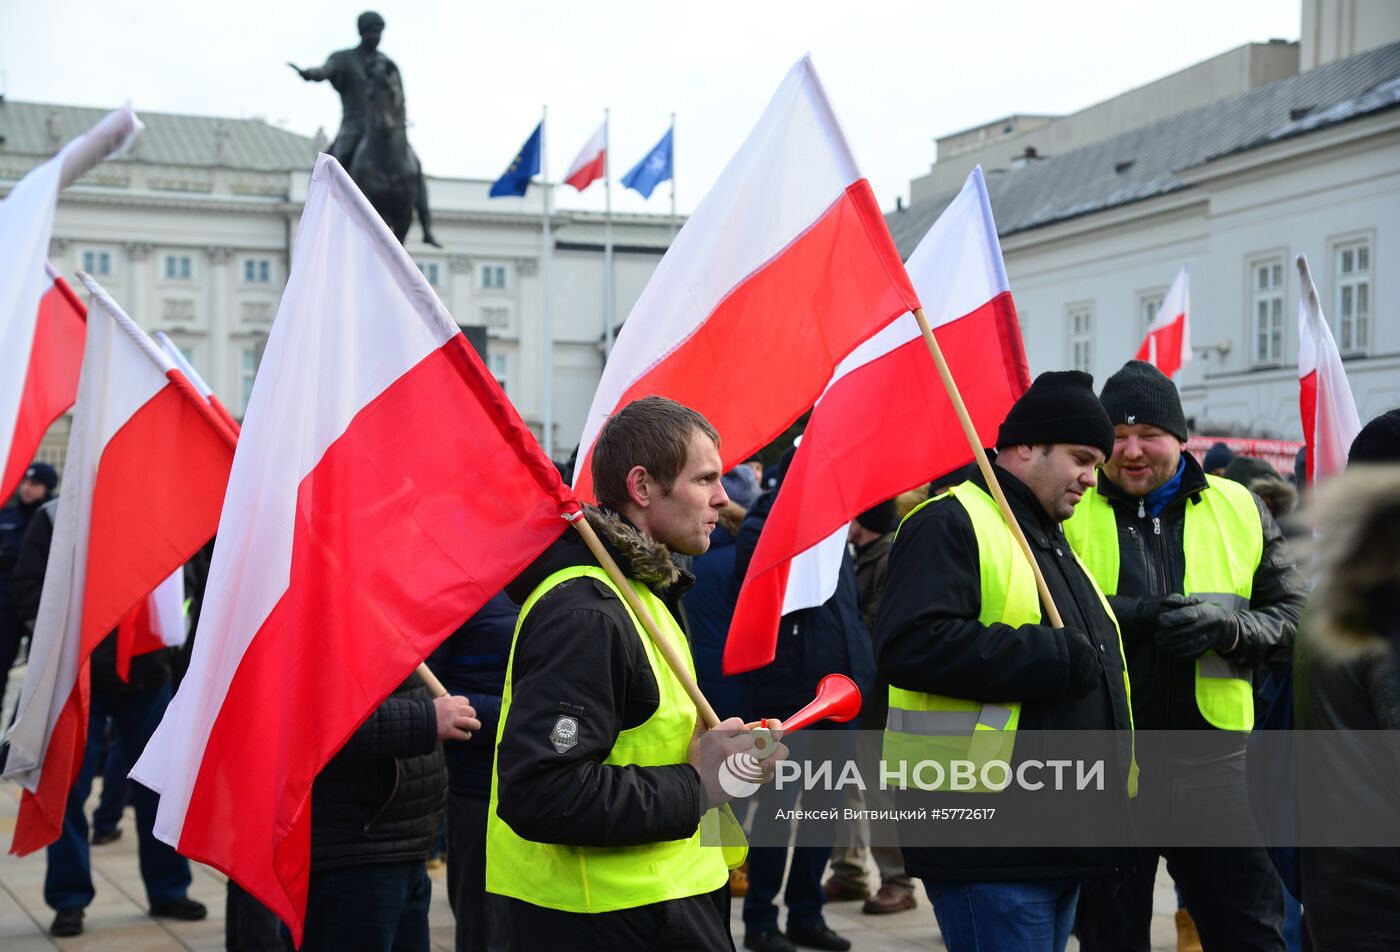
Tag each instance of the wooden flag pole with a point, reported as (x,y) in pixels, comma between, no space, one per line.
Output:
(678,666)
(431,680)
(985,466)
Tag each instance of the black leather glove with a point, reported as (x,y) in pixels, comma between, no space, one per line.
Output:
(1083,662)
(1191,631)
(1140,616)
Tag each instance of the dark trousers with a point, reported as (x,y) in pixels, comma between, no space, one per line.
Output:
(1234,895)
(483,919)
(249,926)
(804,895)
(116,789)
(68,880)
(380,908)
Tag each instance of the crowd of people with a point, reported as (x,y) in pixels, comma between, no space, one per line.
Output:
(581,793)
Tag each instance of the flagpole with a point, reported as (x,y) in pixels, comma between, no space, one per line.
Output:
(985,466)
(673,659)
(673,176)
(607,239)
(547,360)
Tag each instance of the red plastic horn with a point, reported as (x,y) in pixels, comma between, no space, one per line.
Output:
(837,699)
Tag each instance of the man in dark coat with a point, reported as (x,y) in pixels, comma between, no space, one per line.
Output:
(812,643)
(35,489)
(375,809)
(1347,680)
(604,780)
(935,643)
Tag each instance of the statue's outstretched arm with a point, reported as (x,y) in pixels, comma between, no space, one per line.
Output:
(315,74)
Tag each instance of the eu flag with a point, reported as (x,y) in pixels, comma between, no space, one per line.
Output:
(525,165)
(652,170)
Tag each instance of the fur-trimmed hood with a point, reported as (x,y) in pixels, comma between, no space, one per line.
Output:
(639,557)
(1356,603)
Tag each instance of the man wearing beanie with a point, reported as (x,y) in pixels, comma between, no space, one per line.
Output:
(1205,591)
(964,645)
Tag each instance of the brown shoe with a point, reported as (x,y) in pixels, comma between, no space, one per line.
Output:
(1187,939)
(739,881)
(840,891)
(888,900)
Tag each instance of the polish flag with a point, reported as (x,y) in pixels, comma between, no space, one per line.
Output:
(142,483)
(785,266)
(885,424)
(1168,343)
(591,163)
(159,620)
(1330,420)
(41,320)
(178,359)
(384,488)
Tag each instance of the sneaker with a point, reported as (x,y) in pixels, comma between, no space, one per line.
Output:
(67,922)
(187,910)
(106,836)
(818,936)
(768,940)
(838,890)
(888,900)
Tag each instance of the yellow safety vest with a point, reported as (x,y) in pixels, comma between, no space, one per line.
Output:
(607,878)
(924,727)
(1224,541)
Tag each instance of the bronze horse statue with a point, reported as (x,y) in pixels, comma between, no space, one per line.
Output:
(384,165)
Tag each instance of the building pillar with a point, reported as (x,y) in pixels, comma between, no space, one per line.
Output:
(138,283)
(459,289)
(218,324)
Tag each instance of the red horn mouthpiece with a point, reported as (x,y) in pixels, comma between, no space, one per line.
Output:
(837,699)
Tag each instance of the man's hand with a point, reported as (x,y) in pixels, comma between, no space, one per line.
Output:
(1141,617)
(302,73)
(710,749)
(1191,631)
(456,718)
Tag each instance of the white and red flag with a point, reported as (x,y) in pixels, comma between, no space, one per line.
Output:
(1168,343)
(384,488)
(784,267)
(41,320)
(885,424)
(591,163)
(1330,420)
(178,358)
(142,485)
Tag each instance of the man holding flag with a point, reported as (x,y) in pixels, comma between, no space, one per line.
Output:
(601,786)
(969,655)
(1205,591)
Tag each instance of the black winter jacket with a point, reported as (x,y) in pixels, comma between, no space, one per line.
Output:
(928,638)
(147,671)
(578,654)
(813,642)
(1153,563)
(380,797)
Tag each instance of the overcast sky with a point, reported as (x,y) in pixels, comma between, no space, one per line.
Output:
(477,73)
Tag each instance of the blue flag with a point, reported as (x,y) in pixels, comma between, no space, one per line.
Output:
(652,170)
(525,165)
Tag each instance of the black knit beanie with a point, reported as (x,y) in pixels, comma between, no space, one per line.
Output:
(881,518)
(1060,407)
(1140,393)
(1378,441)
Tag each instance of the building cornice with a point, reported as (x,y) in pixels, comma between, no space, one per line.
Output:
(1351,133)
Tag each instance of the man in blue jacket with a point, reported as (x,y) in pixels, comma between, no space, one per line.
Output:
(812,643)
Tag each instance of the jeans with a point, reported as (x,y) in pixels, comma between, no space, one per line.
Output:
(68,879)
(1004,917)
(249,926)
(483,919)
(370,908)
